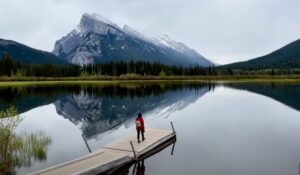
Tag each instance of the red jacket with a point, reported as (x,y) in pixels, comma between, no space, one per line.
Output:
(141,121)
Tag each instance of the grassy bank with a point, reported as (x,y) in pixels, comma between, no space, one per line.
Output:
(137,77)
(16,81)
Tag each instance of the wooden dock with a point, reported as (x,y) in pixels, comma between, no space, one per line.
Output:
(113,155)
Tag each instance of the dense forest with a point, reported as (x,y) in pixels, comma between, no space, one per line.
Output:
(13,68)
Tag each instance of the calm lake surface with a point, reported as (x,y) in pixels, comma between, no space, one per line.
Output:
(222,129)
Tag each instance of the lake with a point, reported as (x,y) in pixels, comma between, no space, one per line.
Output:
(222,128)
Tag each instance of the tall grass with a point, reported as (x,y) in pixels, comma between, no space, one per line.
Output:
(16,149)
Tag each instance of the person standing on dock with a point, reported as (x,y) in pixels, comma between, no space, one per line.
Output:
(140,127)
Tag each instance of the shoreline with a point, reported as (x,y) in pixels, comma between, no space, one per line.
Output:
(109,80)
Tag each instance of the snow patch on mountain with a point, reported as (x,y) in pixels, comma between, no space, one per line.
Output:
(137,34)
(162,41)
(98,18)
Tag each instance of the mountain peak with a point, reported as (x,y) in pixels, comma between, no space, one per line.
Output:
(94,23)
(97,39)
(95,19)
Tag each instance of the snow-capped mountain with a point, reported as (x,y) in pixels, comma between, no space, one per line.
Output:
(96,39)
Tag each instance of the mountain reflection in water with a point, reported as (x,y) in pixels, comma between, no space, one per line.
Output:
(97,109)
(286,93)
(98,114)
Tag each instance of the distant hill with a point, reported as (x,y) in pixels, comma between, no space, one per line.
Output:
(98,40)
(28,55)
(285,57)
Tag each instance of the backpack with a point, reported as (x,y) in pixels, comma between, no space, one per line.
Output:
(138,124)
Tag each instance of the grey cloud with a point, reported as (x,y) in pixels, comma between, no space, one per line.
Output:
(222,30)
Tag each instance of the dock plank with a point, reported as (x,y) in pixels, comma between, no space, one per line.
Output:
(111,155)
(152,136)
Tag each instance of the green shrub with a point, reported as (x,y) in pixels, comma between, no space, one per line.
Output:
(162,73)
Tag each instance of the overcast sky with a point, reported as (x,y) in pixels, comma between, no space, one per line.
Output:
(221,30)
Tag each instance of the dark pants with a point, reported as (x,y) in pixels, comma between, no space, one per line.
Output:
(138,134)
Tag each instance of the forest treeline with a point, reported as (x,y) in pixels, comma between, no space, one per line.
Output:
(11,68)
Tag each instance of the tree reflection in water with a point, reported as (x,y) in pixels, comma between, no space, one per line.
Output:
(19,149)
